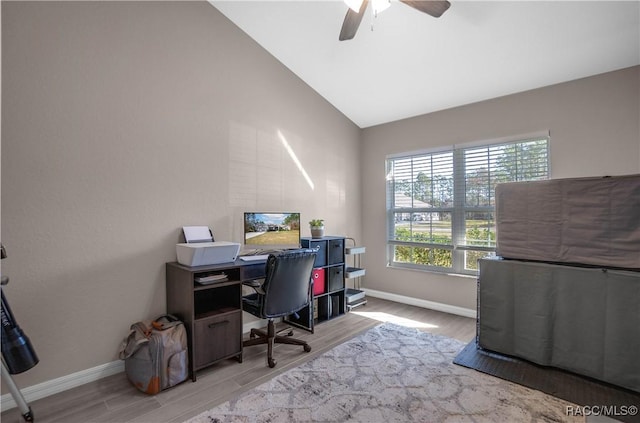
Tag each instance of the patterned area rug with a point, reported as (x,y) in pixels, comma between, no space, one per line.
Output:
(390,374)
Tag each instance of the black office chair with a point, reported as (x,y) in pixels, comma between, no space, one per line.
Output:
(285,290)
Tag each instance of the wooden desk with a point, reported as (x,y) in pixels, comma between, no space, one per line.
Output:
(212,313)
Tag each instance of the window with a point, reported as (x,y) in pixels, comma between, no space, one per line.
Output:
(441,204)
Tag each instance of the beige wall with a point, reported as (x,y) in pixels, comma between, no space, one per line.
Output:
(123,122)
(594,125)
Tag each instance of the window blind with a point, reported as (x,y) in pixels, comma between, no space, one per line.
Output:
(441,205)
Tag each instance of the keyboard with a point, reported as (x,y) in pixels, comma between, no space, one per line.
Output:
(255,257)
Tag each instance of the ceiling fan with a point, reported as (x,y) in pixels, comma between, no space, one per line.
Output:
(354,15)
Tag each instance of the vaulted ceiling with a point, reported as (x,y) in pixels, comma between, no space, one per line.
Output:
(404,63)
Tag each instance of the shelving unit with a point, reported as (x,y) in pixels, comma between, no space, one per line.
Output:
(329,291)
(355,297)
(210,309)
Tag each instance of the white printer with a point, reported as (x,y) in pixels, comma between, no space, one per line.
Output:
(200,248)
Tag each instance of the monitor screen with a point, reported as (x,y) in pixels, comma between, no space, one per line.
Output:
(272,231)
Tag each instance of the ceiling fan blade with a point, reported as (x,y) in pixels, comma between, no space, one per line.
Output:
(352,22)
(434,8)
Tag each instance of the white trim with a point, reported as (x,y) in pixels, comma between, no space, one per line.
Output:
(73,380)
(431,150)
(505,140)
(432,305)
(478,143)
(63,383)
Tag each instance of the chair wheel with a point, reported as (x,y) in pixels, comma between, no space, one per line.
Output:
(307,348)
(272,362)
(290,333)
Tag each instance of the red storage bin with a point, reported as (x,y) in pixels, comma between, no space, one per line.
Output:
(318,281)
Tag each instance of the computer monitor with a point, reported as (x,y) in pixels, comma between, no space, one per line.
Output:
(271,231)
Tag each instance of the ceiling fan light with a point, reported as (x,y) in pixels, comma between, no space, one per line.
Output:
(354,4)
(380,5)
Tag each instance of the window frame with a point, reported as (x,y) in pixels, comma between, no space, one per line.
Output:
(458,248)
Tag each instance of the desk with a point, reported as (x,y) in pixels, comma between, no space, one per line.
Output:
(212,313)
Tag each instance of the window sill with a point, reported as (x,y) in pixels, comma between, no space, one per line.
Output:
(435,272)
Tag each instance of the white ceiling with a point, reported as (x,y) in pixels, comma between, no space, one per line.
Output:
(412,63)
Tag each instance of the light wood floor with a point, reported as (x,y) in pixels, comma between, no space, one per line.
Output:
(113,399)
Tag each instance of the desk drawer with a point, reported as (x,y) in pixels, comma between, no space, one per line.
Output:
(217,337)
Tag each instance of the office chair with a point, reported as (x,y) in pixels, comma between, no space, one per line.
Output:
(285,290)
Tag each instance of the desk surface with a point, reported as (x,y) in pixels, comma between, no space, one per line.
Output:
(220,266)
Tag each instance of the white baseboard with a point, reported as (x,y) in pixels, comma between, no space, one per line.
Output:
(55,386)
(63,383)
(446,308)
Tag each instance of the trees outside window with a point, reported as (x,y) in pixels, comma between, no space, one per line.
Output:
(441,204)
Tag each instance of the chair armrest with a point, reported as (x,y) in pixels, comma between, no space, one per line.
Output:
(256,285)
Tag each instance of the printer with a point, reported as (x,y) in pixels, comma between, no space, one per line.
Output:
(200,249)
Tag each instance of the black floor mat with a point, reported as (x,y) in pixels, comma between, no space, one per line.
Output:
(559,383)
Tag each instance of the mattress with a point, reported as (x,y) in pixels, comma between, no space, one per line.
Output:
(584,320)
(590,221)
